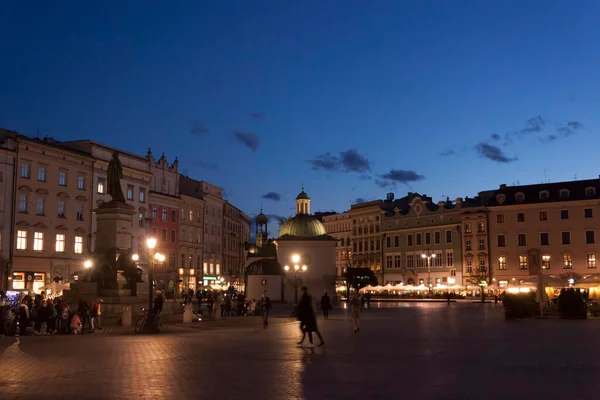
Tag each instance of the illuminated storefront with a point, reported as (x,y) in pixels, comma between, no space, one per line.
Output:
(28,281)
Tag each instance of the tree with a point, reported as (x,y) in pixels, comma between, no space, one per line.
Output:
(282,220)
(358,278)
(479,277)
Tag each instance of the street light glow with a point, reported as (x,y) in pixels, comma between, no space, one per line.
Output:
(295,258)
(433,255)
(87,264)
(287,267)
(296,267)
(151,243)
(135,257)
(423,255)
(159,257)
(304,268)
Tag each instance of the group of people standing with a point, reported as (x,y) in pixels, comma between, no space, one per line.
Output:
(39,315)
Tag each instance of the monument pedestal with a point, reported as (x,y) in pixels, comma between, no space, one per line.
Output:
(114,226)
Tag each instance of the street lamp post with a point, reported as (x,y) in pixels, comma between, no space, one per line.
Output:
(297,268)
(151,326)
(428,257)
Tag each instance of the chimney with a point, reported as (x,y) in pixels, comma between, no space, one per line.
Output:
(503,186)
(390,196)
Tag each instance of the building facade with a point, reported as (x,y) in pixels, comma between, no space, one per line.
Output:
(213,224)
(475,244)
(422,241)
(236,229)
(551,226)
(191,239)
(52,215)
(339,226)
(8,161)
(164,207)
(135,185)
(366,236)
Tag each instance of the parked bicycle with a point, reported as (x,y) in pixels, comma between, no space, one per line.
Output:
(143,319)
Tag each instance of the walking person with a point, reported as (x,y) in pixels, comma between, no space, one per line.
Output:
(325,305)
(307,317)
(356,305)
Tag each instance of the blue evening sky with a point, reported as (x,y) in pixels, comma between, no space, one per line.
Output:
(417,87)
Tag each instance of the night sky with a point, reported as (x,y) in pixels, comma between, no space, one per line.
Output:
(352,98)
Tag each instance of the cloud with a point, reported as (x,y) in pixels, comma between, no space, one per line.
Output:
(327,162)
(365,177)
(205,165)
(348,161)
(534,125)
(574,124)
(360,200)
(495,137)
(198,128)
(570,128)
(272,196)
(250,140)
(447,153)
(257,115)
(493,153)
(390,179)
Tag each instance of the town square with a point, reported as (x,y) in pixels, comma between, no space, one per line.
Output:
(299,200)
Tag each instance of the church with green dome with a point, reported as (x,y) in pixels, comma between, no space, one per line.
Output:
(303,252)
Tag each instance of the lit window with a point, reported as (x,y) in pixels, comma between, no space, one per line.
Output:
(449,259)
(62,178)
(142,195)
(78,249)
(523,262)
(591,260)
(567,261)
(101,186)
(469,265)
(60,243)
(81,182)
(21,240)
(545,261)
(38,241)
(129,192)
(502,262)
(154,212)
(191,215)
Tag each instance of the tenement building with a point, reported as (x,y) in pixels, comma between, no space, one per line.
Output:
(366,236)
(7,182)
(475,242)
(236,233)
(191,238)
(339,226)
(164,205)
(213,224)
(422,241)
(551,226)
(52,212)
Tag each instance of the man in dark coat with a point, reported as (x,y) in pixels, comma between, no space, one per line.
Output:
(325,305)
(307,317)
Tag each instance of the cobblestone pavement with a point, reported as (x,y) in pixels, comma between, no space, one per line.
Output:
(410,351)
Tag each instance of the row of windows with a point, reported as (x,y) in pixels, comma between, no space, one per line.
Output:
(189,215)
(567,261)
(543,215)
(211,269)
(129,194)
(480,227)
(337,227)
(365,230)
(40,207)
(187,260)
(363,245)
(435,260)
(164,213)
(41,176)
(545,195)
(480,244)
(417,239)
(590,238)
(38,242)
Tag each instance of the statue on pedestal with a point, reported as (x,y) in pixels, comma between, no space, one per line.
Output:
(114,176)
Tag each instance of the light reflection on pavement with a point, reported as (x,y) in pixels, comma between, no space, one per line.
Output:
(408,350)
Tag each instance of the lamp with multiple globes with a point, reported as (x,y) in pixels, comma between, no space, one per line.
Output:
(151,326)
(428,257)
(297,268)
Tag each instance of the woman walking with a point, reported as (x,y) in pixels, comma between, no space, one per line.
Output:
(356,305)
(307,317)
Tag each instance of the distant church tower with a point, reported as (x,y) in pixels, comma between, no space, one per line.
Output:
(302,203)
(262,234)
